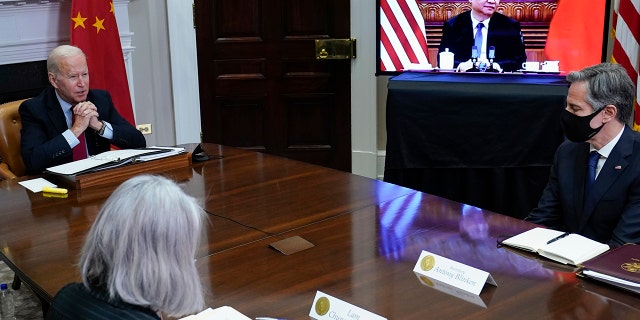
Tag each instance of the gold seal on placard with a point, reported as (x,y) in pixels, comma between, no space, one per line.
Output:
(322,306)
(427,263)
(426,281)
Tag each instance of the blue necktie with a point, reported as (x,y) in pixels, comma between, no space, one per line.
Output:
(591,169)
(478,38)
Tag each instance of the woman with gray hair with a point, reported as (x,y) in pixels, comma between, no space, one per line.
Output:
(138,259)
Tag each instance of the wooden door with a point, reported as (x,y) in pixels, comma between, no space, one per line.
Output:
(261,87)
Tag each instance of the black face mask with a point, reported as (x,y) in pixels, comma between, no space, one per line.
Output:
(578,129)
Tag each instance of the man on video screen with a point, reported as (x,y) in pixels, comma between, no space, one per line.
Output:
(482,35)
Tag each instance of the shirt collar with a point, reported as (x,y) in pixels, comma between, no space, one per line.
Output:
(474,22)
(606,150)
(65,105)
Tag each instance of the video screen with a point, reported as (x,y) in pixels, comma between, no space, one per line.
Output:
(567,34)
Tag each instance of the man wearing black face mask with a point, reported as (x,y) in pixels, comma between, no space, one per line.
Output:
(599,105)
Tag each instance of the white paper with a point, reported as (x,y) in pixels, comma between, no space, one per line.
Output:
(532,240)
(221,313)
(171,151)
(419,67)
(35,185)
(573,249)
(97,160)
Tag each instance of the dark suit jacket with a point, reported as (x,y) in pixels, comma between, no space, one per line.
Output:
(75,301)
(611,213)
(43,123)
(504,34)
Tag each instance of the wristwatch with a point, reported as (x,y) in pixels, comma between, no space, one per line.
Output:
(101,131)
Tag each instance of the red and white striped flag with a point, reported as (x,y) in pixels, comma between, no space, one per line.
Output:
(403,40)
(626,45)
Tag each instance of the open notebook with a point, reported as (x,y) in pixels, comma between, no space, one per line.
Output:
(567,248)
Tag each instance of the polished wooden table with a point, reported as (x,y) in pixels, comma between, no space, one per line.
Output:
(367,234)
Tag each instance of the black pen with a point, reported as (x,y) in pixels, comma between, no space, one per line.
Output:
(558,237)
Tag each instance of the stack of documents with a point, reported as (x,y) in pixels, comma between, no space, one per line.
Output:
(112,159)
(619,267)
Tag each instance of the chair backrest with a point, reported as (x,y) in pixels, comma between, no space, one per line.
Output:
(10,126)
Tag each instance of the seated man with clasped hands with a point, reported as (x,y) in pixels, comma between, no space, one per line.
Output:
(68,121)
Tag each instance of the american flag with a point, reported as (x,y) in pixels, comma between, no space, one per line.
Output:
(402,36)
(626,45)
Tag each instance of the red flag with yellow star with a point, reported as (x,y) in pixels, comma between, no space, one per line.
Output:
(94,30)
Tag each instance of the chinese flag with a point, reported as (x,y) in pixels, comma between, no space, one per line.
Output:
(94,30)
(575,34)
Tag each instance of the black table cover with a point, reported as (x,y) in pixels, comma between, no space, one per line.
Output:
(483,139)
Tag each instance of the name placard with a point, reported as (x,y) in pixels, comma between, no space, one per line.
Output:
(328,307)
(452,273)
(451,290)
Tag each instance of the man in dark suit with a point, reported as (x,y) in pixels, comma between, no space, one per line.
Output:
(68,121)
(599,105)
(499,31)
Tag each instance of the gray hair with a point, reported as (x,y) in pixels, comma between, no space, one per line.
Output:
(142,247)
(61,51)
(607,84)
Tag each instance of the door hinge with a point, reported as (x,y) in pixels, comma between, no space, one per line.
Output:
(193,10)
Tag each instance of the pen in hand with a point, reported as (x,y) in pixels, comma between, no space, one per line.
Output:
(558,237)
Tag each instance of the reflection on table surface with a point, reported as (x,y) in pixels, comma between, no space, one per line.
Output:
(367,234)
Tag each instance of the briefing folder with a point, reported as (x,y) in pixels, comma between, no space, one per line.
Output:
(107,160)
(619,267)
(567,248)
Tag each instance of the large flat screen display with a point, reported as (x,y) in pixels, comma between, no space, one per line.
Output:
(572,32)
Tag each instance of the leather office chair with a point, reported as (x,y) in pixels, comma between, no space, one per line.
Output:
(11,165)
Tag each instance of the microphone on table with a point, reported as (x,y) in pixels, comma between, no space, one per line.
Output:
(475,54)
(198,154)
(491,56)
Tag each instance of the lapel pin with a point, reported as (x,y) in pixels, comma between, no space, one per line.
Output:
(618,167)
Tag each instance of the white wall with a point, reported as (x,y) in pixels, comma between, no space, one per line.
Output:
(151,61)
(364,100)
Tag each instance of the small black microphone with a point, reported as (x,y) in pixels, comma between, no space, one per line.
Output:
(198,154)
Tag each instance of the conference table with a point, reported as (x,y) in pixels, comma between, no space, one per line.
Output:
(367,236)
(484,139)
